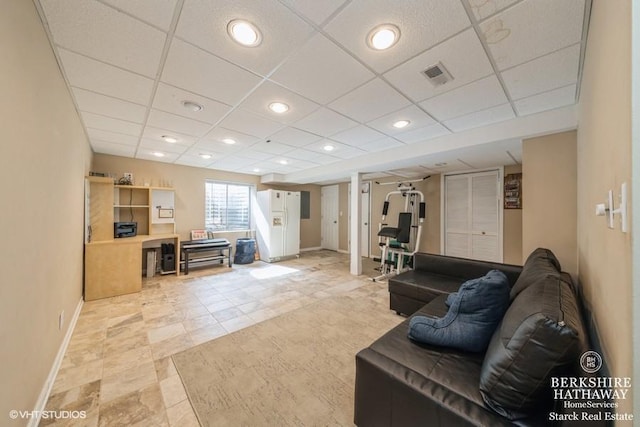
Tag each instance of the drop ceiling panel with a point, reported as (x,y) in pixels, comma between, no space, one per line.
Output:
(107,136)
(325,122)
(321,71)
(381,145)
(175,123)
(107,106)
(370,101)
(295,137)
(255,155)
(246,122)
(164,147)
(417,119)
(455,54)
(549,72)
(311,156)
(169,99)
(204,23)
(475,96)
(318,147)
(422,134)
(347,153)
(102,32)
(195,161)
(158,12)
(87,73)
(525,25)
(481,118)
(96,121)
(317,11)
(195,70)
(146,154)
(268,92)
(483,9)
(271,148)
(357,136)
(422,24)
(220,133)
(543,101)
(112,148)
(156,134)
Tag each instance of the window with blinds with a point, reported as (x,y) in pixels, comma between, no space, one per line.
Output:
(227,206)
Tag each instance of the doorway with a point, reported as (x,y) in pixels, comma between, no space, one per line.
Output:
(329,217)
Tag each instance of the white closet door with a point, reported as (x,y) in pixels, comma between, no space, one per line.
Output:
(472,226)
(330,212)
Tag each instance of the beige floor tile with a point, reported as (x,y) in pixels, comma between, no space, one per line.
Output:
(172,391)
(133,408)
(128,381)
(207,333)
(77,376)
(171,346)
(119,362)
(165,332)
(182,415)
(165,368)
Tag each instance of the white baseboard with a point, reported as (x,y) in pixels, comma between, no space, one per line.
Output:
(48,385)
(316,248)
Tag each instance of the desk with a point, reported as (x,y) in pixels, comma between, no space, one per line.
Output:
(114,267)
(219,246)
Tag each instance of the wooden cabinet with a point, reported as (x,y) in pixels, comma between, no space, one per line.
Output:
(114,266)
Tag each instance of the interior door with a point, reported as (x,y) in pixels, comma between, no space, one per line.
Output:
(330,211)
(472,216)
(292,219)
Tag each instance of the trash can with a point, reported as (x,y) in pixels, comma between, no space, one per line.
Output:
(245,251)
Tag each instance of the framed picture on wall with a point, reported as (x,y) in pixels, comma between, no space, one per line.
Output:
(513,191)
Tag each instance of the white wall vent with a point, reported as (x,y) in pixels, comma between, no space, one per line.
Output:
(437,74)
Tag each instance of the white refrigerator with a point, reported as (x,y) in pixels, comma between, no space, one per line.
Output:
(277,222)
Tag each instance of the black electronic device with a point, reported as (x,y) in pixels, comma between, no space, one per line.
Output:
(125,229)
(168,257)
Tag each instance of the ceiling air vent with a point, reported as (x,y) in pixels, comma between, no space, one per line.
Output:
(437,74)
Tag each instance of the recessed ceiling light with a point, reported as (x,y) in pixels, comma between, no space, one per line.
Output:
(229,141)
(441,164)
(278,107)
(244,32)
(256,170)
(169,139)
(401,123)
(383,36)
(192,106)
(205,156)
(283,162)
(158,154)
(328,147)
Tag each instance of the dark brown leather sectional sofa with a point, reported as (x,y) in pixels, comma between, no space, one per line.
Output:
(542,334)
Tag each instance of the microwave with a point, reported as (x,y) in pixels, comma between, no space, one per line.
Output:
(125,229)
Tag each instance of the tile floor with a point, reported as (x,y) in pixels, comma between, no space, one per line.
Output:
(118,367)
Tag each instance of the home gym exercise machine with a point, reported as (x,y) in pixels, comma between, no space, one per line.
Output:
(399,244)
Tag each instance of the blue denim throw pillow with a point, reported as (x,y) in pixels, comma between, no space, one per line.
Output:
(474,313)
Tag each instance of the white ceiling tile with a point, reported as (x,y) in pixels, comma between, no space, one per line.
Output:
(357,136)
(157,12)
(417,119)
(317,11)
(258,102)
(220,147)
(147,154)
(197,150)
(546,101)
(156,134)
(220,133)
(111,107)
(318,147)
(295,137)
(382,144)
(102,32)
(422,134)
(87,73)
(195,161)
(160,119)
(422,24)
(475,96)
(244,121)
(543,26)
(113,149)
(295,163)
(481,118)
(456,54)
(271,148)
(549,72)
(107,136)
(325,122)
(255,155)
(169,99)
(165,147)
(483,8)
(96,121)
(204,23)
(321,71)
(232,163)
(311,156)
(368,102)
(347,153)
(195,70)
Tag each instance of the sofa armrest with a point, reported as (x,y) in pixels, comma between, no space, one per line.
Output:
(463,268)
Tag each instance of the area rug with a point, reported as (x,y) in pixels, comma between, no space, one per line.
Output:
(297,369)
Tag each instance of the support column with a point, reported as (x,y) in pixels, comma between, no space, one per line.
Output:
(355,220)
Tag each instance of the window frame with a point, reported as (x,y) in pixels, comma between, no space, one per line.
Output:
(251,188)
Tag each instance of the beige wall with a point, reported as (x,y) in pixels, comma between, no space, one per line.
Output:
(512,228)
(549,197)
(189,185)
(604,162)
(45,157)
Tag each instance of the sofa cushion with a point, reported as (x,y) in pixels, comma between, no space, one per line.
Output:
(423,285)
(540,263)
(540,335)
(473,314)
